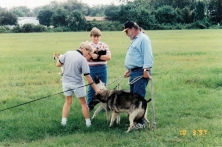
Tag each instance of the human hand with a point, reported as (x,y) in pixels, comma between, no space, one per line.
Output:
(98,91)
(126,74)
(146,75)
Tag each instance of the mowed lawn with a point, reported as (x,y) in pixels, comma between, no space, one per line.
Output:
(187,76)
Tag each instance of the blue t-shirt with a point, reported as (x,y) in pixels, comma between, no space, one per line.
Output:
(139,53)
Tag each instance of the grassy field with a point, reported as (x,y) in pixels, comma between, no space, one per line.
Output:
(187,76)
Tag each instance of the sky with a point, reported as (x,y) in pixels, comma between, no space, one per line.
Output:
(36,3)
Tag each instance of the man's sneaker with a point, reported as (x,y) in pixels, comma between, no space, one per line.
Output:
(138,126)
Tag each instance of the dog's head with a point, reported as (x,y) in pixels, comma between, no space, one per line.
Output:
(103,97)
(99,83)
(56,56)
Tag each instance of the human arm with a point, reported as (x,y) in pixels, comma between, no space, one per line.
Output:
(100,55)
(101,52)
(146,52)
(60,60)
(58,64)
(90,81)
(126,74)
(88,57)
(147,57)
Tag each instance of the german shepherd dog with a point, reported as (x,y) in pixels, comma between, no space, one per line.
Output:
(101,86)
(120,101)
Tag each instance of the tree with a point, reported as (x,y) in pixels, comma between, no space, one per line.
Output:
(7,18)
(97,10)
(159,3)
(59,18)
(146,20)
(199,11)
(215,11)
(76,21)
(22,11)
(112,12)
(174,3)
(186,15)
(128,12)
(166,15)
(182,3)
(44,17)
(53,6)
(142,14)
(71,5)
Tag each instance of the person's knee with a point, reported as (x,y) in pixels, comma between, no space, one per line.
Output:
(68,100)
(82,101)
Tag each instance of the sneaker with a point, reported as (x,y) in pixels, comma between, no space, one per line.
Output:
(63,124)
(138,126)
(88,125)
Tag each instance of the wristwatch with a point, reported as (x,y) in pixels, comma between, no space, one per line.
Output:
(146,69)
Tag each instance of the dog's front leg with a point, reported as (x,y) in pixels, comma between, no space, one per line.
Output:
(118,118)
(107,114)
(113,118)
(97,111)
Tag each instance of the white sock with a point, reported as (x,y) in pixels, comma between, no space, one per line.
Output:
(64,120)
(88,122)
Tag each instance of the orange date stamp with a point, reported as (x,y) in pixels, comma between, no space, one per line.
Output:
(197,132)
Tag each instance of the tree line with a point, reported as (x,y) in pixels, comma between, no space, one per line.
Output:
(149,14)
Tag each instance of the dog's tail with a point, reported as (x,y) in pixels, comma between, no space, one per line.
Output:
(148,100)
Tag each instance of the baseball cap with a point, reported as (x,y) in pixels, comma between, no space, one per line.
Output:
(128,25)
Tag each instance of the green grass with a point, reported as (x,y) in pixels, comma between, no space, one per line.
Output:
(187,78)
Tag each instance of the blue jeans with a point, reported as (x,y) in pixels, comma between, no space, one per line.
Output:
(101,72)
(139,87)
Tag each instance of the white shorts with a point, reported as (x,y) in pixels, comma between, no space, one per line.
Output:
(70,89)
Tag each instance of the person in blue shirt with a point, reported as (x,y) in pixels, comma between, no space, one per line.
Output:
(138,61)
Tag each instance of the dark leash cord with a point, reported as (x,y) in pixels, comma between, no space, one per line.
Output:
(42,98)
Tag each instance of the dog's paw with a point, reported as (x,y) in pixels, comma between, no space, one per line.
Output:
(129,129)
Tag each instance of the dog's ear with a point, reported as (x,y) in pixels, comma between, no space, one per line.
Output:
(96,79)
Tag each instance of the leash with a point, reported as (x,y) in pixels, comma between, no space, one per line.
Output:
(118,85)
(153,109)
(135,80)
(152,98)
(42,98)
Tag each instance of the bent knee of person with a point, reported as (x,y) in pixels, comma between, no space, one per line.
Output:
(82,100)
